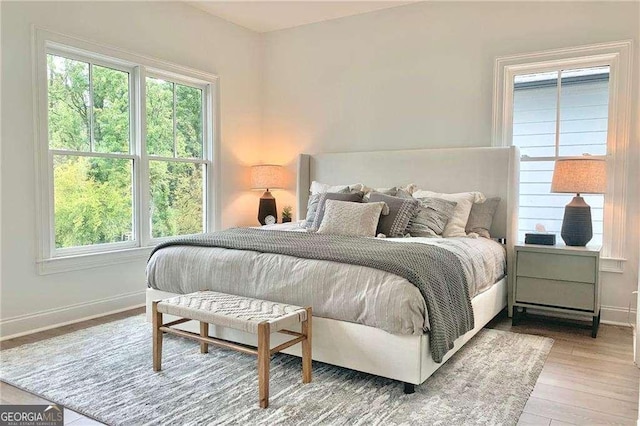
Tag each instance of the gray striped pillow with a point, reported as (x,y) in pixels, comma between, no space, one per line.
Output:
(401,210)
(432,217)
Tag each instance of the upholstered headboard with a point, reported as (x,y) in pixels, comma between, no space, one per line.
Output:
(493,171)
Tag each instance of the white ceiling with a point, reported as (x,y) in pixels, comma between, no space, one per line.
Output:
(265,15)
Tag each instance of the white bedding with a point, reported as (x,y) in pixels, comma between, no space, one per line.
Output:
(488,257)
(335,290)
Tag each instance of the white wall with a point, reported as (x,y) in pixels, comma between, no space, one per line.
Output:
(421,76)
(174,32)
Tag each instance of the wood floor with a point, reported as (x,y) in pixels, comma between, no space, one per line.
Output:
(585,381)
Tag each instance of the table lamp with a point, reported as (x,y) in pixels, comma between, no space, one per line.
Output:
(266,177)
(580,176)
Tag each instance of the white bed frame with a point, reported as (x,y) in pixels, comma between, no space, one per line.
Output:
(493,171)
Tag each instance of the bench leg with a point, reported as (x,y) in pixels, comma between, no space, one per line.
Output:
(264,358)
(306,348)
(204,332)
(157,337)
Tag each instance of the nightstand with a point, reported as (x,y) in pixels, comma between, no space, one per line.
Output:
(557,278)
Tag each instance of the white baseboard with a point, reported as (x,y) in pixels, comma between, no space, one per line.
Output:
(618,316)
(39,321)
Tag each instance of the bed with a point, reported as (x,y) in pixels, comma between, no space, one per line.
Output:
(364,334)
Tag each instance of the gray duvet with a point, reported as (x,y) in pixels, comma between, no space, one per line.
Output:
(335,290)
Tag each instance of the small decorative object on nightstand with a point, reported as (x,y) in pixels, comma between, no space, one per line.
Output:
(560,279)
(267,176)
(286,214)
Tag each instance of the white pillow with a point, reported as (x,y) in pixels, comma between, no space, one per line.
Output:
(348,218)
(407,188)
(456,225)
(411,188)
(321,188)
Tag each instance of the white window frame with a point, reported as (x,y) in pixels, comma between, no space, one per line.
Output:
(51,259)
(616,55)
(147,238)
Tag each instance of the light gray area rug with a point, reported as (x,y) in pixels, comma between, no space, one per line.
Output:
(105,372)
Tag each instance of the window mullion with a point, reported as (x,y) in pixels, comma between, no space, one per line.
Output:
(558,113)
(133,149)
(52,214)
(175,104)
(207,223)
(526,158)
(91,117)
(213,134)
(92,154)
(144,221)
(176,160)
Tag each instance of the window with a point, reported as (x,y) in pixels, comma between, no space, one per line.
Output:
(126,149)
(568,103)
(558,114)
(89,133)
(176,164)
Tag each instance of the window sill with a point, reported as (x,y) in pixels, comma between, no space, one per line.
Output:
(612,264)
(57,265)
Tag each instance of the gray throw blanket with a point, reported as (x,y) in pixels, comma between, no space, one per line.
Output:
(436,272)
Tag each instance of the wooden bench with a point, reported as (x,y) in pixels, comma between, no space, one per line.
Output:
(254,316)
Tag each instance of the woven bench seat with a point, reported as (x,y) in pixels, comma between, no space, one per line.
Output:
(228,310)
(254,316)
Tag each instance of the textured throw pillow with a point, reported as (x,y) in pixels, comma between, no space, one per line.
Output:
(401,211)
(347,218)
(456,225)
(312,205)
(481,217)
(431,218)
(354,198)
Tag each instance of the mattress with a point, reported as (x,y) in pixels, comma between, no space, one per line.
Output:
(334,290)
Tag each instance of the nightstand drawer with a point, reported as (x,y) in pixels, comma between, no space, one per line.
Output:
(564,267)
(562,294)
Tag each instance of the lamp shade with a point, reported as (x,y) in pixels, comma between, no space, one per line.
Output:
(580,176)
(267,176)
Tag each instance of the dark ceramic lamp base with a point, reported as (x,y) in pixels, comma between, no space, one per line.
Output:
(267,207)
(576,226)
